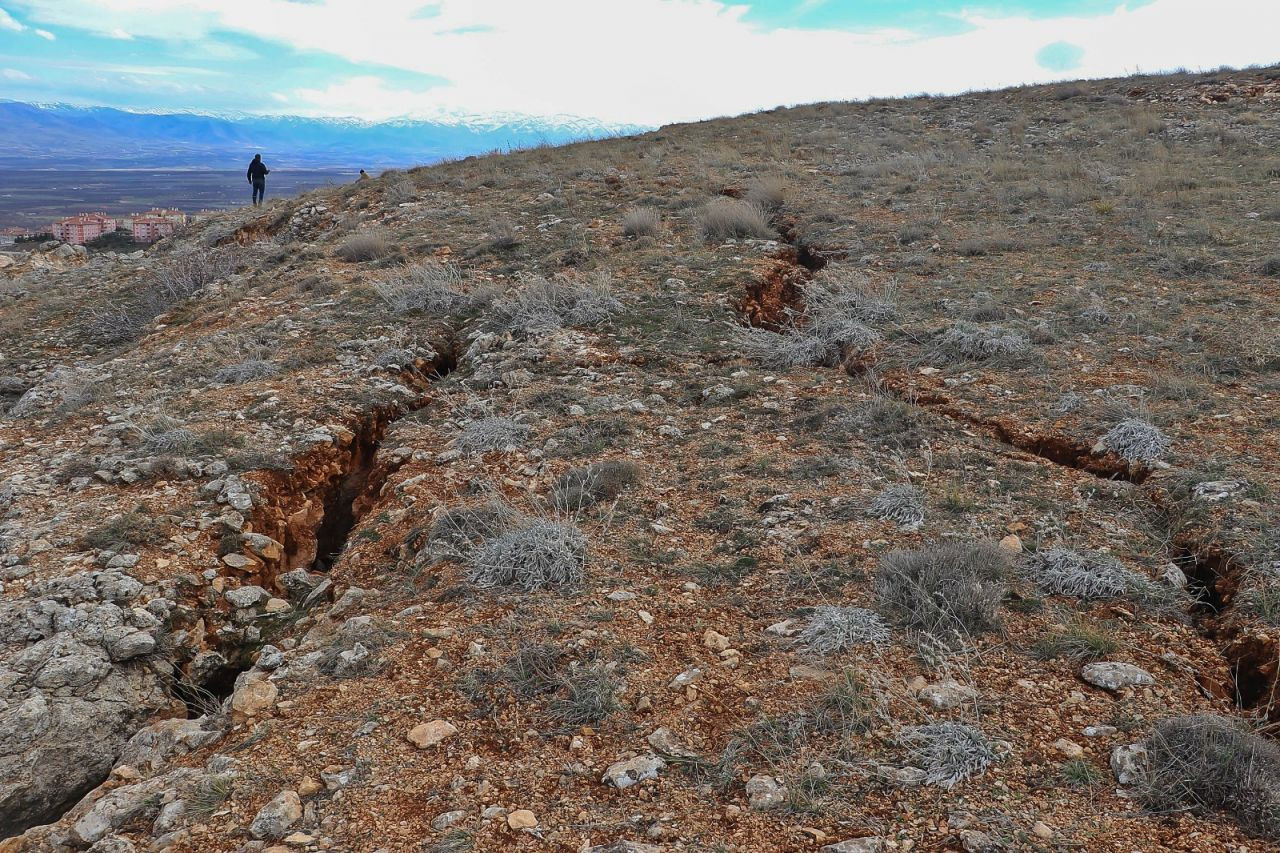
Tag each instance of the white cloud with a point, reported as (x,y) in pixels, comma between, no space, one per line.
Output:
(45,34)
(654,61)
(8,23)
(15,74)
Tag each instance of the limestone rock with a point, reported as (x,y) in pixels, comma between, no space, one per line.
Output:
(1129,763)
(427,735)
(521,819)
(254,695)
(624,774)
(764,793)
(870,844)
(1111,675)
(277,816)
(947,694)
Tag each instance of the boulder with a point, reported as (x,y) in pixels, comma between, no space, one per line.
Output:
(624,774)
(277,817)
(1113,676)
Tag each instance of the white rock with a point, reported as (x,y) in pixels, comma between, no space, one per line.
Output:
(1112,675)
(764,792)
(1129,763)
(624,774)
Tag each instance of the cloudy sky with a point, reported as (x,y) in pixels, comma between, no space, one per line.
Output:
(622,61)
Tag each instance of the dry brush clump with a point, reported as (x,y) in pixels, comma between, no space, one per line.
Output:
(431,287)
(1136,441)
(968,342)
(641,222)
(949,591)
(833,629)
(768,193)
(367,245)
(1207,763)
(539,304)
(1094,575)
(902,504)
(723,218)
(182,276)
(839,308)
(600,481)
(948,752)
(492,433)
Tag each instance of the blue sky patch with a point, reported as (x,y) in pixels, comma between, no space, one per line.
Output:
(1060,56)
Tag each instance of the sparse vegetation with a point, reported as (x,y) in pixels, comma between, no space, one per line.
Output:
(535,555)
(949,591)
(967,342)
(1208,763)
(1078,640)
(641,222)
(492,433)
(723,218)
(1092,575)
(540,304)
(600,481)
(902,504)
(431,287)
(589,694)
(1137,441)
(948,752)
(369,245)
(836,629)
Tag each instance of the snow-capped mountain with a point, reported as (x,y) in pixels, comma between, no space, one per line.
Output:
(52,135)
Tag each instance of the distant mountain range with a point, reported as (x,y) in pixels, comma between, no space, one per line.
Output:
(34,136)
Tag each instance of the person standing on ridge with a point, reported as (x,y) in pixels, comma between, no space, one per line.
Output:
(257,175)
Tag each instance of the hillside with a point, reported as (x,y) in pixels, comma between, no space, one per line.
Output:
(59,136)
(853,477)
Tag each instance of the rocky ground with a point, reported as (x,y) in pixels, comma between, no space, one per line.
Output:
(865,477)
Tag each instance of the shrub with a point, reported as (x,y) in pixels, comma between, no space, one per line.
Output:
(768,193)
(456,533)
(534,669)
(641,222)
(846,708)
(902,504)
(599,481)
(948,752)
(365,246)
(432,287)
(539,304)
(835,629)
(493,433)
(179,277)
(536,555)
(1079,773)
(182,276)
(838,309)
(949,590)
(967,342)
(401,191)
(1092,575)
(1204,762)
(590,695)
(723,218)
(1137,441)
(177,440)
(1077,641)
(246,371)
(975,247)
(130,529)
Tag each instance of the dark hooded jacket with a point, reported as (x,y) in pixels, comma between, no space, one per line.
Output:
(258,171)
